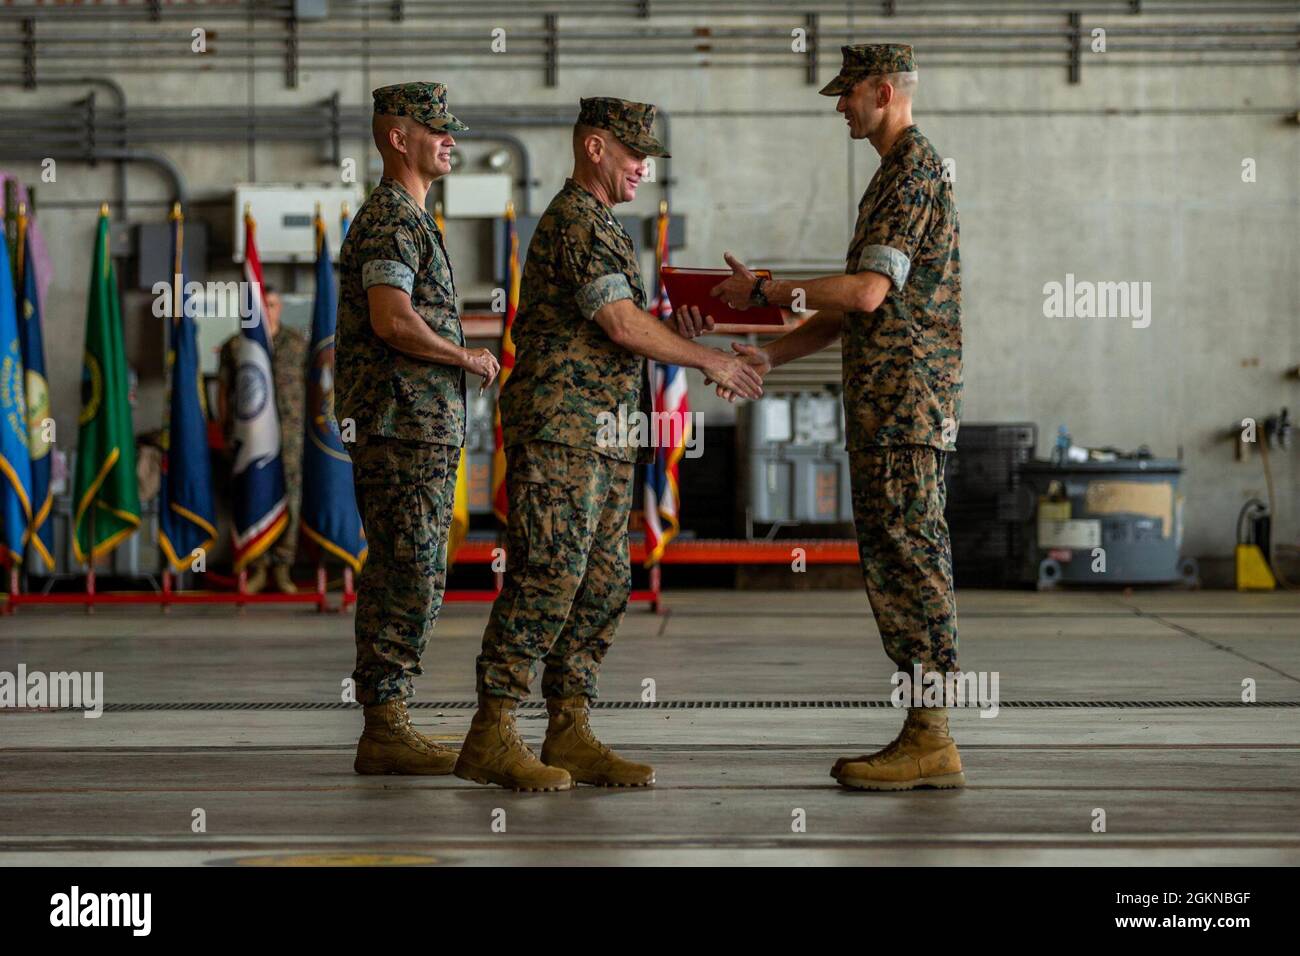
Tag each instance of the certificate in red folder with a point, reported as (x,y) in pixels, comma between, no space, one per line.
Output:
(691,287)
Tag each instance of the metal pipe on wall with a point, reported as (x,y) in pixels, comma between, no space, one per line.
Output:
(38,133)
(282,11)
(180,193)
(119,96)
(294,44)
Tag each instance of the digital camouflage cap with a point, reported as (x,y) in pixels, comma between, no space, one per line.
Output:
(424,102)
(869,59)
(632,123)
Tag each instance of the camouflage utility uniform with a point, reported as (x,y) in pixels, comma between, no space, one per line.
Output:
(569,489)
(289,349)
(410,426)
(902,401)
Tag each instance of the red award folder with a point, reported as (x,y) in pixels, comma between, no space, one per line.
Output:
(691,287)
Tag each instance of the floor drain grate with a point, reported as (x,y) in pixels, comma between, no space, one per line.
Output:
(702,704)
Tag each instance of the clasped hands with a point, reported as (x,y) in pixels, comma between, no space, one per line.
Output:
(739,375)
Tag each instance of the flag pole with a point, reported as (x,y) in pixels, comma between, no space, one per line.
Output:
(20,264)
(22,237)
(499,577)
(168,345)
(90,517)
(179,219)
(90,560)
(241,579)
(322,583)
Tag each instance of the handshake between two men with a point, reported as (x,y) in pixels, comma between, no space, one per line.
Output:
(741,290)
(823,303)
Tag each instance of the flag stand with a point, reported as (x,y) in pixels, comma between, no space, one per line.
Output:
(90,560)
(170,595)
(729,551)
(654,589)
(321,587)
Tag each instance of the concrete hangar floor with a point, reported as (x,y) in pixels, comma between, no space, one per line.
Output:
(1126,703)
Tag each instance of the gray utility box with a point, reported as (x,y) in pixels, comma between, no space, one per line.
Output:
(796,467)
(1104,522)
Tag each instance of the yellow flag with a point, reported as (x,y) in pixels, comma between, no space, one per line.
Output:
(459,513)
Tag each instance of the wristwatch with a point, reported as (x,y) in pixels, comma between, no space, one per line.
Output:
(756,295)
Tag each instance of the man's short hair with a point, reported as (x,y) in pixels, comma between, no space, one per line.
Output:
(581,131)
(903,83)
(381,123)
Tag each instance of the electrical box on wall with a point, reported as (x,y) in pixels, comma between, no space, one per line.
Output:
(154,253)
(283,216)
(676,231)
(476,195)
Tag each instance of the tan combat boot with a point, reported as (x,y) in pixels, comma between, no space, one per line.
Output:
(922,755)
(283,582)
(571,744)
(389,744)
(494,753)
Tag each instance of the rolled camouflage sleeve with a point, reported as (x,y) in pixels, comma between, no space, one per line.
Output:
(601,292)
(594,268)
(888,261)
(897,227)
(390,258)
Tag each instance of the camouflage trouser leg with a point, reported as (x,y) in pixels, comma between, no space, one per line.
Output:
(404,493)
(567,571)
(898,502)
(285,548)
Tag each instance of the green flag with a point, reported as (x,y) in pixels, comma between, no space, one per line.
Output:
(105,492)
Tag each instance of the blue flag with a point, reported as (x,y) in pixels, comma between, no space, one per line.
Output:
(329,505)
(15,465)
(188,516)
(39,445)
(261,507)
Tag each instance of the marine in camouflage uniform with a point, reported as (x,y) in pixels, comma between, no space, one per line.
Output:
(409,417)
(902,394)
(902,400)
(902,404)
(567,569)
(289,352)
(569,489)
